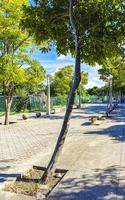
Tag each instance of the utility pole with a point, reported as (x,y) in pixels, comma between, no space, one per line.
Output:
(48,95)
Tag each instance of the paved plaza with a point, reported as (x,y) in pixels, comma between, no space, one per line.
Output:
(94,155)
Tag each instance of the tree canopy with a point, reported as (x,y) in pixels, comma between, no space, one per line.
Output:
(100,23)
(92,31)
(97,91)
(13,43)
(15,48)
(62,80)
(35,74)
(115,67)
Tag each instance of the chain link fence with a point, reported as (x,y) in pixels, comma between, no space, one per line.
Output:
(30,103)
(34,103)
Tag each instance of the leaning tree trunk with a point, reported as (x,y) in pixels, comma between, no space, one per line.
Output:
(8,103)
(64,130)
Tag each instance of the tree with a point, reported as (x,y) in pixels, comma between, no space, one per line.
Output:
(35,76)
(98,30)
(20,81)
(62,81)
(94,91)
(10,76)
(108,28)
(11,50)
(15,47)
(116,67)
(98,91)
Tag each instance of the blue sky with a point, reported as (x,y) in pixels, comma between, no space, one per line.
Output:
(52,62)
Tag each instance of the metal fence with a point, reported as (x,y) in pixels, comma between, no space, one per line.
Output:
(23,103)
(2,104)
(33,102)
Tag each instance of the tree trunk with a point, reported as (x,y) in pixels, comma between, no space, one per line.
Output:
(8,103)
(64,130)
(79,99)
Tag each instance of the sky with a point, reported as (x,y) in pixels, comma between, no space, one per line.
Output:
(52,62)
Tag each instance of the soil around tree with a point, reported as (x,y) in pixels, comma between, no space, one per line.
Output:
(29,182)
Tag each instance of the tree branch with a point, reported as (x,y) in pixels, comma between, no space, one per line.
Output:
(20,44)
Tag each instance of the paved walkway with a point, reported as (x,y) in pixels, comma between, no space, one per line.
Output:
(93,154)
(24,142)
(96,163)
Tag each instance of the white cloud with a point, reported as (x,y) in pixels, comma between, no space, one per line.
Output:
(93,77)
(61,57)
(68,58)
(94,81)
(54,65)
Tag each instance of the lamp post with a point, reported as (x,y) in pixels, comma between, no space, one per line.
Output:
(109,105)
(110,92)
(48,95)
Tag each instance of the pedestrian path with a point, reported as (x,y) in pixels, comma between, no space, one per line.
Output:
(98,170)
(94,155)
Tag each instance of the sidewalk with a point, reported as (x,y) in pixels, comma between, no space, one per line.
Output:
(93,154)
(96,165)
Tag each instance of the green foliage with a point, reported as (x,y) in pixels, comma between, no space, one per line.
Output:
(12,45)
(21,103)
(62,80)
(97,91)
(21,91)
(35,76)
(100,24)
(15,48)
(83,82)
(116,67)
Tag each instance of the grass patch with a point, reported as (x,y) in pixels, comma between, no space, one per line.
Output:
(2,114)
(11,113)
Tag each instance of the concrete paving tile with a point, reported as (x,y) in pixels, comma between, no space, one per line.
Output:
(94,154)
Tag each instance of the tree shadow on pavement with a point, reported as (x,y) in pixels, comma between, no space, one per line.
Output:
(7,177)
(4,168)
(118,114)
(54,117)
(98,184)
(116,132)
(95,109)
(5,164)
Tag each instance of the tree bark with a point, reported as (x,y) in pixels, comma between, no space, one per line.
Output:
(79,94)
(8,103)
(64,130)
